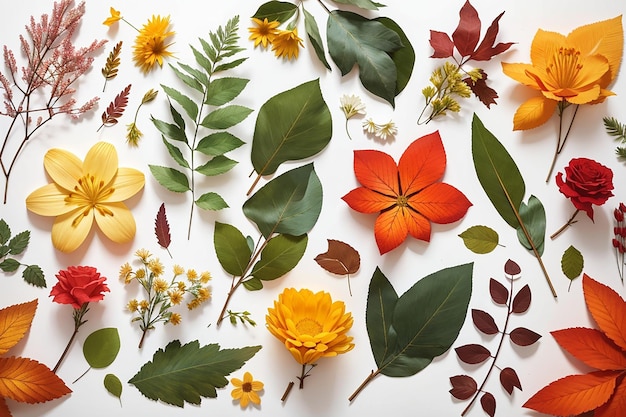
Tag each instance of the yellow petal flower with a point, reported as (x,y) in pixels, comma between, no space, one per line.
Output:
(115,17)
(246,390)
(264,31)
(150,45)
(287,44)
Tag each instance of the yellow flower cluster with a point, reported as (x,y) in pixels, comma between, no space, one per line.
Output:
(446,86)
(285,43)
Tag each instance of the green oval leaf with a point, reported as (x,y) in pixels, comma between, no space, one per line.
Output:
(170,178)
(9,265)
(404,58)
(253,284)
(224,90)
(218,143)
(480,239)
(281,254)
(312,30)
(276,10)
(381,301)
(34,275)
(101,347)
(113,385)
(216,166)
(534,217)
(19,242)
(225,117)
(211,201)
(231,248)
(572,263)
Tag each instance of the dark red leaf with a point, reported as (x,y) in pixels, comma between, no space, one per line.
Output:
(473,353)
(521,301)
(486,50)
(512,268)
(467,33)
(484,322)
(485,94)
(162,228)
(340,258)
(499,293)
(442,44)
(463,386)
(115,109)
(510,380)
(488,402)
(521,336)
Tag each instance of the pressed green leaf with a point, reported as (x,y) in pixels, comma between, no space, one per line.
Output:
(216,166)
(175,153)
(4,250)
(534,217)
(187,104)
(9,265)
(253,284)
(224,90)
(211,201)
(363,4)
(204,62)
(170,178)
(170,130)
(190,81)
(312,30)
(572,263)
(250,242)
(182,374)
(5,232)
(480,239)
(290,203)
(281,254)
(229,65)
(113,385)
(101,347)
(231,248)
(19,242)
(218,143)
(276,10)
(198,75)
(497,172)
(356,40)
(404,58)
(381,301)
(225,117)
(34,275)
(178,119)
(292,125)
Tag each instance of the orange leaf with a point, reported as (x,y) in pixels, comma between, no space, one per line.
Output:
(592,347)
(377,171)
(422,164)
(607,308)
(4,408)
(574,394)
(616,406)
(440,203)
(391,229)
(15,321)
(28,381)
(367,201)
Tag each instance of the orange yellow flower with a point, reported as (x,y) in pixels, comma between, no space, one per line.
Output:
(115,17)
(264,31)
(287,44)
(310,324)
(150,45)
(246,390)
(84,191)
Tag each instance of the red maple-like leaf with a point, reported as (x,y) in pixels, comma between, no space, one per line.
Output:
(485,94)
(442,44)
(407,196)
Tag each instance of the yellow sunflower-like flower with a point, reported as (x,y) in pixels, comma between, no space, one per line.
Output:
(287,44)
(84,191)
(310,325)
(115,17)
(264,31)
(151,44)
(246,391)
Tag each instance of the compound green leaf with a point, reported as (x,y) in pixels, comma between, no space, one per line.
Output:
(101,347)
(281,254)
(231,248)
(480,239)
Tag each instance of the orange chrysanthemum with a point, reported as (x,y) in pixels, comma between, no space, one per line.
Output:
(310,324)
(264,31)
(287,44)
(150,45)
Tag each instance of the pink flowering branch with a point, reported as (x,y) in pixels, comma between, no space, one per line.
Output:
(45,85)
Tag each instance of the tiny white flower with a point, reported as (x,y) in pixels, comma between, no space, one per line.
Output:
(351,105)
(387,129)
(369,126)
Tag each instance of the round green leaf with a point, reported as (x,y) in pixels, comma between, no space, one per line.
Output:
(281,254)
(572,263)
(480,239)
(113,385)
(101,347)
(231,248)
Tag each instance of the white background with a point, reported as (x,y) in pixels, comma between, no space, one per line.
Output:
(333,380)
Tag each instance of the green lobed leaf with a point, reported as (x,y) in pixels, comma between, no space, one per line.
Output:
(292,125)
(381,301)
(403,58)
(113,385)
(276,10)
(534,217)
(281,254)
(9,265)
(34,275)
(480,239)
(186,373)
(572,263)
(290,203)
(170,130)
(312,30)
(187,104)
(211,201)
(225,117)
(231,248)
(175,153)
(5,232)
(170,178)
(356,40)
(216,166)
(218,143)
(224,90)
(19,242)
(101,347)
(363,4)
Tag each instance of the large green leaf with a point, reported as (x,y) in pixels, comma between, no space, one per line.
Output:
(292,125)
(101,347)
(276,10)
(354,39)
(290,203)
(404,58)
(231,249)
(497,172)
(281,254)
(534,217)
(312,30)
(381,301)
(185,373)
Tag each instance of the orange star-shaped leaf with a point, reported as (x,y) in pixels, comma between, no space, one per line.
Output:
(408,196)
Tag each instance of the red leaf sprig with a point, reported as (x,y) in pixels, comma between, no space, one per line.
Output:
(162,229)
(465,387)
(115,109)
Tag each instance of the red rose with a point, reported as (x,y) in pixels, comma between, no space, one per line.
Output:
(588,182)
(78,285)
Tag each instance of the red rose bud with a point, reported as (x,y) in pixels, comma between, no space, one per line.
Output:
(622,207)
(615,243)
(619,215)
(78,285)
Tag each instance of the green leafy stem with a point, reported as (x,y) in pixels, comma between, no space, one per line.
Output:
(15,245)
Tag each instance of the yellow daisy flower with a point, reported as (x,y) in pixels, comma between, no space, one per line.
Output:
(287,44)
(264,32)
(133,305)
(178,270)
(143,254)
(246,390)
(156,267)
(160,285)
(175,319)
(205,277)
(115,17)
(176,297)
(125,272)
(150,45)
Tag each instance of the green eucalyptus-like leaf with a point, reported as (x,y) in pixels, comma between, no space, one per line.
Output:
(218,143)
(404,58)
(101,347)
(19,242)
(534,217)
(292,125)
(216,166)
(170,178)
(290,203)
(231,248)
(170,130)
(480,239)
(113,385)
(381,301)
(225,117)
(276,10)
(34,275)
(572,263)
(187,104)
(211,201)
(312,30)
(281,254)
(5,232)
(224,90)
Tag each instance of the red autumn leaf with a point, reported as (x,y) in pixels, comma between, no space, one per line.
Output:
(488,403)
(510,380)
(486,50)
(162,228)
(607,309)
(485,94)
(616,406)
(512,268)
(116,108)
(473,353)
(574,394)
(521,301)
(467,33)
(442,44)
(592,347)
(484,322)
(407,196)
(499,293)
(4,408)
(522,336)
(463,386)
(340,258)
(28,381)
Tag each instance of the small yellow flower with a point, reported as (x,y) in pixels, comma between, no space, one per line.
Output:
(125,272)
(150,45)
(181,286)
(178,270)
(205,277)
(246,391)
(204,294)
(156,267)
(176,297)
(195,303)
(192,275)
(264,32)
(175,318)
(144,304)
(115,17)
(160,285)
(133,305)
(143,254)
(286,44)
(140,274)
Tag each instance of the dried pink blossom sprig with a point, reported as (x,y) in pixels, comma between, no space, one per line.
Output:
(619,241)
(44,86)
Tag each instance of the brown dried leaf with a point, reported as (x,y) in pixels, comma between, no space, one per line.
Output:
(522,336)
(340,258)
(116,108)
(510,380)
(499,293)
(488,402)
(473,353)
(484,322)
(162,228)
(521,301)
(512,268)
(485,94)
(463,386)
(109,71)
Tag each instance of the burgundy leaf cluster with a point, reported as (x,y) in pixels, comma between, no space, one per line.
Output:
(465,39)
(465,387)
(619,241)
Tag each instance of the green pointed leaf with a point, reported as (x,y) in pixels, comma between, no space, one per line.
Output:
(190,81)
(363,4)
(34,275)
(170,178)
(497,173)
(480,239)
(231,248)
(225,117)
(198,75)
(404,58)
(276,10)
(281,254)
(19,242)
(253,284)
(187,104)
(381,301)
(355,40)
(170,130)
(101,347)
(204,62)
(211,201)
(291,126)
(216,166)
(229,65)
(572,263)
(534,217)
(9,265)
(218,143)
(178,119)
(182,374)
(312,30)
(175,153)
(113,385)
(4,251)
(5,232)
(250,243)
(224,90)
(290,203)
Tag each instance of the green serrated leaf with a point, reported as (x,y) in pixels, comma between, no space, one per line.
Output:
(5,232)
(225,117)
(9,265)
(312,30)
(178,119)
(534,217)
(253,284)
(216,166)
(572,263)
(229,65)
(480,239)
(224,90)
(101,347)
(113,385)
(34,275)
(182,374)
(231,248)
(19,242)
(281,254)
(218,143)
(170,130)
(204,62)
(190,81)
(187,104)
(211,201)
(276,10)
(175,153)
(198,75)
(170,178)
(4,251)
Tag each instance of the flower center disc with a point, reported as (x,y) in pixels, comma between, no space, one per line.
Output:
(309,326)
(246,387)
(403,201)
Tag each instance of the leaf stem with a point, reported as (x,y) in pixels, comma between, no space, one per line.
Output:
(570,222)
(82,375)
(367,380)
(78,321)
(287,391)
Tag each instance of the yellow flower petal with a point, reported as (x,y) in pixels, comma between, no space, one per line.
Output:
(48,200)
(101,162)
(115,16)
(63,167)
(70,230)
(254,397)
(237,393)
(543,45)
(533,113)
(126,184)
(115,221)
(519,72)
